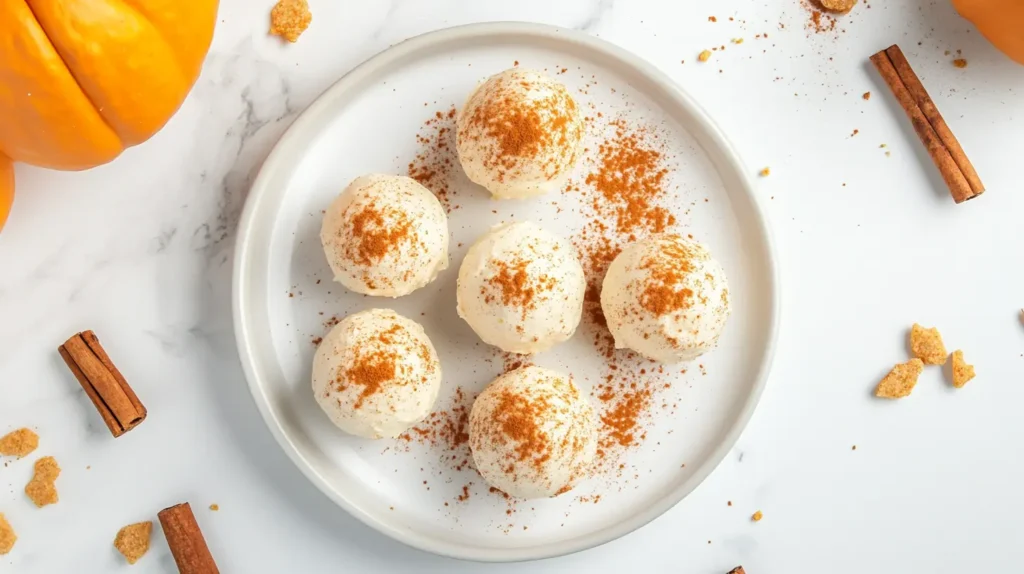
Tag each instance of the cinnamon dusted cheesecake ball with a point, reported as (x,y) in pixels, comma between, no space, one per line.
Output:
(519,134)
(385,235)
(521,288)
(533,434)
(665,298)
(376,374)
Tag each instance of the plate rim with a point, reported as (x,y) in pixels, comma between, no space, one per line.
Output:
(304,122)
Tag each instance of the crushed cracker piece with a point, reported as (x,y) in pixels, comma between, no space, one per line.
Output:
(900,381)
(962,372)
(42,488)
(290,18)
(960,63)
(704,56)
(132,541)
(926,344)
(737,40)
(757,516)
(215,507)
(7,535)
(765,172)
(19,443)
(841,6)
(738,570)
(867,95)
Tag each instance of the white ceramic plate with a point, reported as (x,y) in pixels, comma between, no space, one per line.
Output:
(367,122)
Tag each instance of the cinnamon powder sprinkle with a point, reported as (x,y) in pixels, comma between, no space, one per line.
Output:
(524,128)
(518,422)
(373,239)
(515,286)
(623,201)
(436,164)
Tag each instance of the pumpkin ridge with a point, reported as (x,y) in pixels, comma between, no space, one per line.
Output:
(71,72)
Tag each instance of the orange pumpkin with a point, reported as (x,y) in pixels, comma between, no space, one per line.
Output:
(1001,21)
(6,188)
(81,80)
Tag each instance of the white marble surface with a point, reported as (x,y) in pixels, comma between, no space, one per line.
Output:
(140,251)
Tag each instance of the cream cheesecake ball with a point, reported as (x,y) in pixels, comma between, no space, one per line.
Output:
(521,288)
(376,374)
(385,235)
(665,298)
(519,134)
(533,434)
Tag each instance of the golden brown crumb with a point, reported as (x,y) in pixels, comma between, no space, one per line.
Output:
(737,40)
(712,19)
(133,541)
(703,56)
(757,516)
(960,63)
(290,18)
(900,381)
(738,570)
(926,344)
(842,6)
(42,488)
(215,507)
(867,95)
(19,443)
(962,372)
(765,172)
(7,536)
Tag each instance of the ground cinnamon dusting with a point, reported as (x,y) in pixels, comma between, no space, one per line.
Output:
(525,128)
(623,199)
(518,422)
(374,239)
(436,164)
(446,430)
(515,287)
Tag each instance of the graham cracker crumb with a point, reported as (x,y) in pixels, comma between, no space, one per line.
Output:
(7,536)
(765,172)
(42,488)
(962,372)
(960,63)
(19,443)
(737,40)
(926,344)
(704,56)
(215,507)
(133,541)
(900,381)
(757,516)
(290,18)
(738,570)
(867,95)
(841,6)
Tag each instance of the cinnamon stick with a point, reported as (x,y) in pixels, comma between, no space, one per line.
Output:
(186,540)
(943,147)
(110,393)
